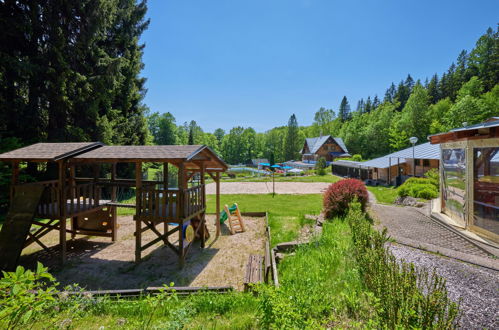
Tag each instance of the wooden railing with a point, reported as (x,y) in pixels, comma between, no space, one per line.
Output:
(193,198)
(82,196)
(78,198)
(167,204)
(158,203)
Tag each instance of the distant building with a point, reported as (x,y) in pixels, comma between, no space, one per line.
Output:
(323,146)
(255,162)
(393,168)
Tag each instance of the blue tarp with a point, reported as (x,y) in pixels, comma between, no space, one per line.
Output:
(276,166)
(264,164)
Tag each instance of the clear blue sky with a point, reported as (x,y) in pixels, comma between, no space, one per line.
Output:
(255,62)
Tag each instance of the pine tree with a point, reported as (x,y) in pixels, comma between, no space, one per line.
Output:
(360,106)
(368,107)
(390,93)
(291,145)
(376,102)
(344,110)
(433,91)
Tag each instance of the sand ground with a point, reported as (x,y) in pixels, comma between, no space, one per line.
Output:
(266,187)
(97,263)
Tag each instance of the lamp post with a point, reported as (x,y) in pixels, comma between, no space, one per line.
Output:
(413,140)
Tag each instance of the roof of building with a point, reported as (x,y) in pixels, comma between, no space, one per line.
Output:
(347,163)
(422,151)
(486,129)
(45,152)
(316,142)
(174,153)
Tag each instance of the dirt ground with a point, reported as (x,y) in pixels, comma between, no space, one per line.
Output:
(97,263)
(266,187)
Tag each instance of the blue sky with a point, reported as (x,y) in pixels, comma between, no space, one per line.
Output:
(255,62)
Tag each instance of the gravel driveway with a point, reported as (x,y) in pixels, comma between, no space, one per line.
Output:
(476,287)
(266,187)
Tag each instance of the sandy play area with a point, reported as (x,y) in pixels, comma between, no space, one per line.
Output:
(97,263)
(266,187)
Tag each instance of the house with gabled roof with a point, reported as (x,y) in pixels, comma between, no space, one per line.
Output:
(323,146)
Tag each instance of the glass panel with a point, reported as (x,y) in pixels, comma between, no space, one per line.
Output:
(486,188)
(454,180)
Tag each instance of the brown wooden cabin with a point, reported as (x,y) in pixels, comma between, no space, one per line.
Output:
(80,199)
(326,146)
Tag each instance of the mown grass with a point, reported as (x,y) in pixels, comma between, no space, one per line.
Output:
(384,195)
(286,212)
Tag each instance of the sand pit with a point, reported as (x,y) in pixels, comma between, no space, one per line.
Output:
(97,263)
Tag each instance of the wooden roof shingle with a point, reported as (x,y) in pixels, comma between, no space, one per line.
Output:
(173,153)
(44,152)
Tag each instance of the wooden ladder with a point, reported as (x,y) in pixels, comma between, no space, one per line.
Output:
(236,223)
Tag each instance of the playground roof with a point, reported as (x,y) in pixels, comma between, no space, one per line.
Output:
(191,155)
(45,152)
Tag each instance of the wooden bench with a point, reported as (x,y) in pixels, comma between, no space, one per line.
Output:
(254,271)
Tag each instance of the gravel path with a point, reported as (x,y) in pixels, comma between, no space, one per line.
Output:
(266,187)
(408,223)
(476,287)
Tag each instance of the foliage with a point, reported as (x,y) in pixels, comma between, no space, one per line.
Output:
(340,194)
(26,295)
(292,140)
(357,158)
(407,297)
(319,287)
(320,166)
(426,188)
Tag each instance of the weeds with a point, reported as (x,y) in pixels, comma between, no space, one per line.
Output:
(408,297)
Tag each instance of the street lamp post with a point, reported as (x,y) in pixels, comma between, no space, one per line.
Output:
(413,140)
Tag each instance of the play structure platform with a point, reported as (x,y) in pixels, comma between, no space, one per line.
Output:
(86,191)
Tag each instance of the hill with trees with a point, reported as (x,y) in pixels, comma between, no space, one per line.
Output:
(468,92)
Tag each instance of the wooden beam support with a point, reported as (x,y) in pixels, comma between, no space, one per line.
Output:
(181,200)
(203,203)
(14,179)
(217,197)
(114,211)
(138,202)
(62,209)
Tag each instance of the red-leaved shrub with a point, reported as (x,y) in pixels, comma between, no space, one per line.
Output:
(340,194)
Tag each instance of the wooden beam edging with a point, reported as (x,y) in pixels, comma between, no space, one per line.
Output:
(137,293)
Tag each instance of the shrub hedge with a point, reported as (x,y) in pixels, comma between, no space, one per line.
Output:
(340,194)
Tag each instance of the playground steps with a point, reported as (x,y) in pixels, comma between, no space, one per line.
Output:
(17,224)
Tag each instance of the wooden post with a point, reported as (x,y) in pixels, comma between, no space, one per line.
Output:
(389,170)
(62,209)
(72,195)
(180,213)
(165,197)
(203,201)
(15,179)
(217,197)
(138,203)
(114,213)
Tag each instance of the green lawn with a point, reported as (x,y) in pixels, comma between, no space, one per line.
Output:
(286,212)
(384,195)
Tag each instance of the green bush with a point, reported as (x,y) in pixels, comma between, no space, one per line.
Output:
(320,166)
(434,177)
(419,188)
(25,296)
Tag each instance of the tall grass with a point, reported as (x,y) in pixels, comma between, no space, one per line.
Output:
(407,297)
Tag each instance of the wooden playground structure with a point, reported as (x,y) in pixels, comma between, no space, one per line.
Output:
(47,205)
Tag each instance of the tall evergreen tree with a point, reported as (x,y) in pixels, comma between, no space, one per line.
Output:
(433,91)
(368,107)
(344,110)
(390,93)
(292,143)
